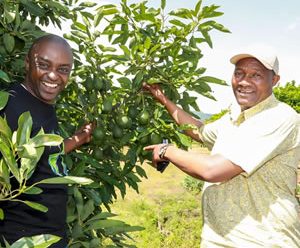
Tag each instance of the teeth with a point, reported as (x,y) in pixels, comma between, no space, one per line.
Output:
(50,85)
(245,92)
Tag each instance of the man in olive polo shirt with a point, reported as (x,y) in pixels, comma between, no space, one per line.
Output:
(249,199)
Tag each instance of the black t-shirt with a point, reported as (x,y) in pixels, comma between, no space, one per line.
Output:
(21,220)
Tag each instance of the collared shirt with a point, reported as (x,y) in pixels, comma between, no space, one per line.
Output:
(257,208)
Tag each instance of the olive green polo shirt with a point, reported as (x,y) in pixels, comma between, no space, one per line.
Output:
(257,208)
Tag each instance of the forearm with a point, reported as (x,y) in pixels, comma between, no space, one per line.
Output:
(181,117)
(210,168)
(81,136)
(73,143)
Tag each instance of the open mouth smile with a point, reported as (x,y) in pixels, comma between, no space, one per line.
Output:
(244,92)
(50,85)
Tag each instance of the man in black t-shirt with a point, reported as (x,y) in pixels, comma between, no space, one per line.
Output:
(48,66)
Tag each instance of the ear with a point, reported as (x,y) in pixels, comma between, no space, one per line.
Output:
(275,79)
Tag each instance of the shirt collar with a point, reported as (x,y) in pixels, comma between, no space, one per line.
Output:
(236,114)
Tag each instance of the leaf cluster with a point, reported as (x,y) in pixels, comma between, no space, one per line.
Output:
(117,48)
(19,156)
(20,153)
(290,94)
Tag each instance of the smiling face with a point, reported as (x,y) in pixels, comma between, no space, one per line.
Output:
(48,66)
(252,82)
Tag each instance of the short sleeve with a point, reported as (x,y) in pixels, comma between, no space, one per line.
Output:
(209,132)
(259,140)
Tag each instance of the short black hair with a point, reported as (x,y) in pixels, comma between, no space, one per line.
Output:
(48,38)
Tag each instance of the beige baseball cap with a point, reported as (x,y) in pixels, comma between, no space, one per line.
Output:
(270,61)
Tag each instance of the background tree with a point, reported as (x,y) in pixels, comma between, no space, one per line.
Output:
(290,94)
(116,48)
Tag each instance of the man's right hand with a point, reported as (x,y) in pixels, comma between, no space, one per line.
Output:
(156,91)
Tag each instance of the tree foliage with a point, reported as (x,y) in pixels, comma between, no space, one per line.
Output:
(116,49)
(290,94)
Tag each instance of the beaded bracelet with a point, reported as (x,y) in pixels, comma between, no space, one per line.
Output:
(162,150)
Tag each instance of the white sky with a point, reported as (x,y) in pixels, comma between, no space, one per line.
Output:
(263,24)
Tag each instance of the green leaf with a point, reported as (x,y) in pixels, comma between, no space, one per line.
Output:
(124,82)
(1,214)
(125,50)
(182,13)
(213,80)
(208,95)
(9,16)
(107,10)
(87,210)
(9,42)
(80,26)
(154,48)
(4,76)
(121,229)
(206,37)
(36,206)
(121,39)
(4,172)
(198,7)
(209,12)
(78,199)
(27,151)
(33,8)
(185,140)
(24,128)
(46,140)
(145,17)
(177,23)
(5,129)
(107,49)
(67,180)
(216,25)
(147,42)
(3,99)
(98,17)
(56,5)
(201,87)
(110,11)
(79,35)
(140,171)
(28,163)
(118,20)
(9,159)
(137,81)
(102,224)
(38,241)
(88,4)
(105,177)
(26,25)
(33,191)
(163,4)
(101,216)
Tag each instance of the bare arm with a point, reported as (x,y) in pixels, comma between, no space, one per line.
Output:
(210,168)
(81,136)
(179,115)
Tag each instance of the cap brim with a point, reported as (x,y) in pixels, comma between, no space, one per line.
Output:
(240,56)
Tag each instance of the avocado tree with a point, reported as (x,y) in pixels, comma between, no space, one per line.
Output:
(116,49)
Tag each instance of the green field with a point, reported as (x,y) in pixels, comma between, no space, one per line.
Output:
(170,214)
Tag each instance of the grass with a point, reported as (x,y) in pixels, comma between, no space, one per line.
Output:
(170,214)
